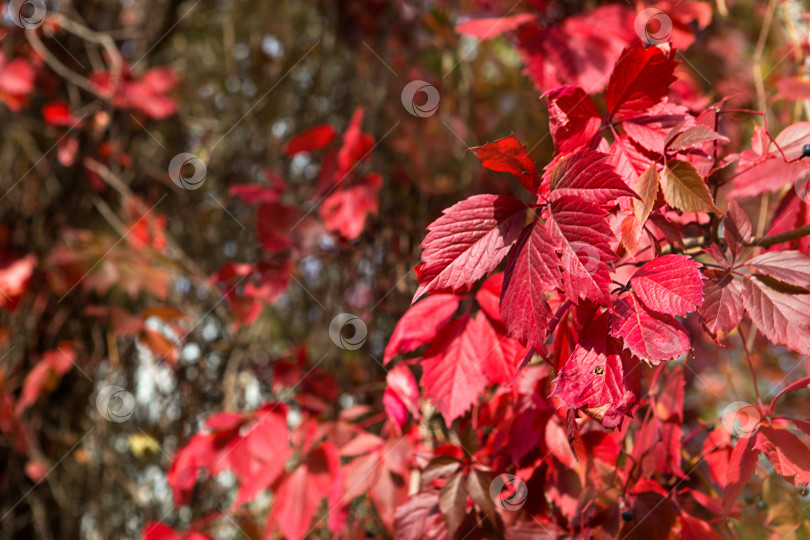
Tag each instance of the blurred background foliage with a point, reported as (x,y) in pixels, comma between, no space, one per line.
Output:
(251,75)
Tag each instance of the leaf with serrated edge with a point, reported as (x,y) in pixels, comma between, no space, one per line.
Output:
(792,267)
(784,318)
(649,336)
(594,376)
(581,232)
(722,307)
(468,242)
(684,188)
(452,367)
(531,270)
(647,188)
(588,175)
(671,284)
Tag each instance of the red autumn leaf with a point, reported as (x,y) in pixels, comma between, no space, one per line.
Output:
(421,324)
(468,242)
(532,269)
(489,296)
(695,136)
(579,51)
(782,316)
(597,378)
(420,517)
(57,113)
(792,267)
(671,284)
(16,82)
(651,337)
(683,188)
(629,159)
(300,493)
(789,456)
(262,454)
(795,88)
(310,140)
(722,307)
(356,146)
(579,229)
(696,529)
(346,210)
(801,384)
(45,376)
(653,127)
(588,176)
(148,94)
(573,118)
(504,355)
(159,531)
(737,228)
(401,395)
(452,366)
(508,155)
(640,79)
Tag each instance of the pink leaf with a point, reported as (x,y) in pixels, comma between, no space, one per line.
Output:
(784,318)
(484,29)
(789,456)
(792,267)
(722,307)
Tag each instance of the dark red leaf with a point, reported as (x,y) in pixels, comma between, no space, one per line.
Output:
(531,270)
(596,377)
(508,155)
(640,79)
(580,231)
(573,119)
(310,140)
